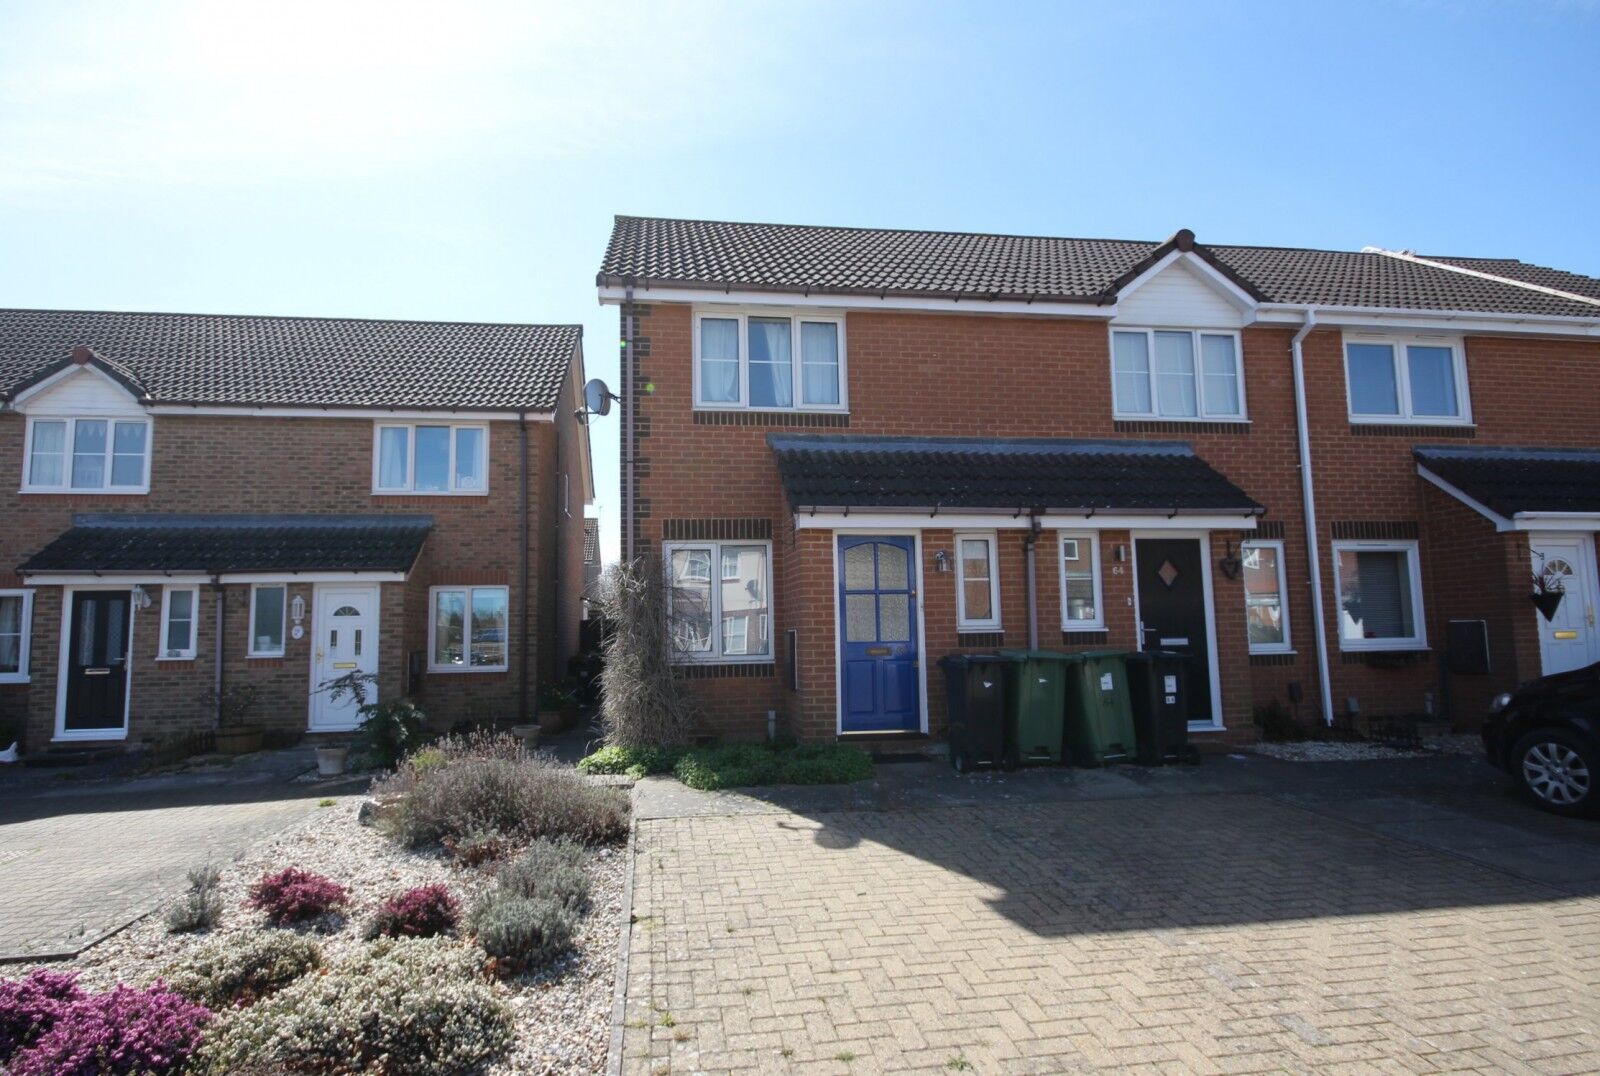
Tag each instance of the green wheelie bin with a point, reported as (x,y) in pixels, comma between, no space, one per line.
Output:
(1099,721)
(1036,701)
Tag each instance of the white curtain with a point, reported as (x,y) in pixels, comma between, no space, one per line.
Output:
(819,362)
(771,363)
(392,454)
(719,360)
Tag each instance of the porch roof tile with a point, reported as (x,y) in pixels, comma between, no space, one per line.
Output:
(1007,474)
(141,542)
(1509,480)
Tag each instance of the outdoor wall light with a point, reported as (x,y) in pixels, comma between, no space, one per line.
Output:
(941,561)
(1230,564)
(141,600)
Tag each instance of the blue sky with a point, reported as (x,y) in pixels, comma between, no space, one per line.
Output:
(463,161)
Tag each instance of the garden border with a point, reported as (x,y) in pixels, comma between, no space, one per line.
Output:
(619,995)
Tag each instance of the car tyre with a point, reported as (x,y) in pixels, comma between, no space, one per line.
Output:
(1559,771)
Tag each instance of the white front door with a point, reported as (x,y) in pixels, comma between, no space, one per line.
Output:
(345,627)
(1567,640)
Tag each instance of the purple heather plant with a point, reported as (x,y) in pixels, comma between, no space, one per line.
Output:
(422,912)
(30,1006)
(150,1032)
(293,895)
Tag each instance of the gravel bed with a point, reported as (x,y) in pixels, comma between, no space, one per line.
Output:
(1333,751)
(563,1014)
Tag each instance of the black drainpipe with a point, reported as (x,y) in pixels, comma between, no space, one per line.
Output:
(522,512)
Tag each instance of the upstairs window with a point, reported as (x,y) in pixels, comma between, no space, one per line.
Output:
(769,361)
(86,455)
(431,459)
(724,618)
(1399,380)
(1176,374)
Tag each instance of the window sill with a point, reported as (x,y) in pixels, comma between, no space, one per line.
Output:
(90,736)
(979,629)
(178,658)
(689,663)
(1074,629)
(1401,420)
(12,678)
(1384,648)
(465,670)
(273,655)
(84,492)
(430,493)
(1208,420)
(1279,653)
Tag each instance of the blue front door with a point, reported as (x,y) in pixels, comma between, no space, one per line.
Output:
(878,628)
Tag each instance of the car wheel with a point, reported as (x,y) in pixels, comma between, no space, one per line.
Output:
(1558,771)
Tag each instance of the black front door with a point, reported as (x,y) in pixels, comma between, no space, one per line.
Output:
(97,661)
(1172,610)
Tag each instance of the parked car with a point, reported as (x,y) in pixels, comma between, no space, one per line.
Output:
(1546,734)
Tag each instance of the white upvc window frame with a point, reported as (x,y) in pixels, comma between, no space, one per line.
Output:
(1201,413)
(24,646)
(186,653)
(71,423)
(743,314)
(1277,546)
(1416,641)
(991,543)
(468,589)
(409,488)
(714,655)
(283,642)
(1093,540)
(1398,344)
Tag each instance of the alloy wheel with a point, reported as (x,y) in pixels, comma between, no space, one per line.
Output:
(1556,773)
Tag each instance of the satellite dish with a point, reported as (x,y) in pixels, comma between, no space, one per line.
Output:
(597,398)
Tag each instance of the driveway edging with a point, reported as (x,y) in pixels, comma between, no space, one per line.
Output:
(619,995)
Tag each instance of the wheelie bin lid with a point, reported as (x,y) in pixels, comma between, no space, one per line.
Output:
(1035,655)
(961,661)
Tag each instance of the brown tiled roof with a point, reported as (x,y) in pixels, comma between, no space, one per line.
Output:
(1510,480)
(328,362)
(874,261)
(1544,277)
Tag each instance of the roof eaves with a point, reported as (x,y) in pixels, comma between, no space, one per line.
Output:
(624,280)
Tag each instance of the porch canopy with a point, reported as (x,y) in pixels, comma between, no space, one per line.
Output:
(1104,483)
(225,545)
(1519,489)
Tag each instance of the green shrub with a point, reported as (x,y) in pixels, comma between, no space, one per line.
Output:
(402,1006)
(200,907)
(525,933)
(548,869)
(824,764)
(740,765)
(489,783)
(429,758)
(243,969)
(635,762)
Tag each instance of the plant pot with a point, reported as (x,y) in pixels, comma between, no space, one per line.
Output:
(240,740)
(1547,601)
(529,735)
(553,721)
(331,761)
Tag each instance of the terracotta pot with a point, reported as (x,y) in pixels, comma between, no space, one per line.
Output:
(528,734)
(554,721)
(238,741)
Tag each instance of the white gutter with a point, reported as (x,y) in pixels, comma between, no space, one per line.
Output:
(1308,495)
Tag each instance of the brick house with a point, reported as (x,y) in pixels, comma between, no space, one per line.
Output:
(189,501)
(859,450)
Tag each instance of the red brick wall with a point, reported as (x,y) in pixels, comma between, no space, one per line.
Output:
(974,375)
(294,465)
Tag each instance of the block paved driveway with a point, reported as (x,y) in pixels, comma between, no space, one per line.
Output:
(80,862)
(1100,921)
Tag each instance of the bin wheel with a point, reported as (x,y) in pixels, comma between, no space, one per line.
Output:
(961,761)
(1191,756)
(1008,761)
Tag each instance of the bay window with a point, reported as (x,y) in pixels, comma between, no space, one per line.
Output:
(1380,596)
(1265,605)
(725,618)
(180,608)
(769,360)
(16,624)
(977,583)
(430,458)
(1413,380)
(469,629)
(266,620)
(1081,605)
(1176,374)
(106,455)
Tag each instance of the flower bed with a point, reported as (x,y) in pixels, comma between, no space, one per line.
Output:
(559,1017)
